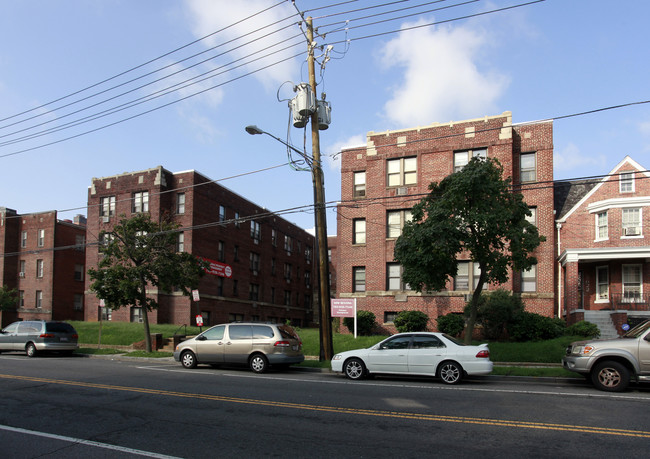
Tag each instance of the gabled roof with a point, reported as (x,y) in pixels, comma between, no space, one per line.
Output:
(570,195)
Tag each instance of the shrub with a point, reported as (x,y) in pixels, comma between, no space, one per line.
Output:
(452,324)
(583,328)
(528,326)
(496,311)
(411,321)
(365,323)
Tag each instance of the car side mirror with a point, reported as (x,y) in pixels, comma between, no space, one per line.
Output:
(201,338)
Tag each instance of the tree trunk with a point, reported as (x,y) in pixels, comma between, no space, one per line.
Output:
(473,310)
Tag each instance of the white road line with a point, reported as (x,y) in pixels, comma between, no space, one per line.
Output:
(81,441)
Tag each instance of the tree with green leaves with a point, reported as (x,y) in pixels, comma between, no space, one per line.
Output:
(138,253)
(8,298)
(475,213)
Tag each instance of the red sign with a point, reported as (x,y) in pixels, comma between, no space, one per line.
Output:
(344,307)
(217,268)
(199,320)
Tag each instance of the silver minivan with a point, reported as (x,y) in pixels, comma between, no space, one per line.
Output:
(257,345)
(34,336)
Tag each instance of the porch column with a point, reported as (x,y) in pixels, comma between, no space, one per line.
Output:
(571,287)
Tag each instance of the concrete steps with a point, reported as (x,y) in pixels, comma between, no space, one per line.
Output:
(604,323)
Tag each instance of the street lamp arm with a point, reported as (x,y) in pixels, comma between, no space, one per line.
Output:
(254,130)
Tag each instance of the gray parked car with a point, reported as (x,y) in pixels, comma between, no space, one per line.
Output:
(612,363)
(34,336)
(257,345)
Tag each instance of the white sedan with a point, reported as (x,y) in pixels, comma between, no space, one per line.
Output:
(421,353)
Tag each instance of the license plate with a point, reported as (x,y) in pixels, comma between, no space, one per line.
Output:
(64,339)
(294,347)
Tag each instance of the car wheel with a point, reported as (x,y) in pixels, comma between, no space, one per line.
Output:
(354,369)
(30,350)
(258,363)
(610,376)
(188,359)
(450,372)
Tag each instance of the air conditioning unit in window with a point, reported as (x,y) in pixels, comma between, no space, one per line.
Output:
(402,191)
(21,274)
(105,219)
(632,230)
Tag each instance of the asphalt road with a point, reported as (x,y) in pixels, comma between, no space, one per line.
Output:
(63,407)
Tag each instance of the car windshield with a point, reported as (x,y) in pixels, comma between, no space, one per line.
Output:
(638,330)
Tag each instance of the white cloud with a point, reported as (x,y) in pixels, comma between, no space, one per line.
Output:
(441,77)
(208,16)
(569,160)
(332,152)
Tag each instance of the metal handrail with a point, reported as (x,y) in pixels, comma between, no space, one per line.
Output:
(184,326)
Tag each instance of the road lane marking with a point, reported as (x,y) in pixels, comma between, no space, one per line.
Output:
(81,441)
(344,410)
(212,373)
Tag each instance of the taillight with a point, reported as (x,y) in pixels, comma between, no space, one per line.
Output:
(47,335)
(484,354)
(282,344)
(75,336)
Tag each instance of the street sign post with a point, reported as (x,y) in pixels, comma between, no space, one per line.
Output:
(345,307)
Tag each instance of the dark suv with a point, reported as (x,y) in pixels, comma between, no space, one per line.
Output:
(257,345)
(34,336)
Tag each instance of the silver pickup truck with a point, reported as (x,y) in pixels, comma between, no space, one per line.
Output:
(612,363)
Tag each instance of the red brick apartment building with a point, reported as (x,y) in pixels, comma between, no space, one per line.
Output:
(382,180)
(263,266)
(603,245)
(43,258)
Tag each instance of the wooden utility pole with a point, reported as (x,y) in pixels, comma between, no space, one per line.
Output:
(326,346)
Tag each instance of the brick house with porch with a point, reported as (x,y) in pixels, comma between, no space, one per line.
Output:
(603,246)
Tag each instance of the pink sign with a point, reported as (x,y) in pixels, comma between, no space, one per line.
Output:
(344,307)
(217,268)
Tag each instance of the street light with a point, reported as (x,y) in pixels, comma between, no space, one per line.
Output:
(321,243)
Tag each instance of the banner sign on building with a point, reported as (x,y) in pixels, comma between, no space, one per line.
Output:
(217,268)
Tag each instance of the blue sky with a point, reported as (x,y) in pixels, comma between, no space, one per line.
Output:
(543,60)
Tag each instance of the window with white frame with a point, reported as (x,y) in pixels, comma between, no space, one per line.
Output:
(237,222)
(23,239)
(256,231)
(402,171)
(529,279)
(601,226)
(528,167)
(254,262)
(631,220)
(396,219)
(140,202)
(461,281)
(359,185)
(394,277)
(222,213)
(136,314)
(461,158)
(78,302)
(41,238)
(180,242)
(359,236)
(78,272)
(180,203)
(626,182)
(21,268)
(274,237)
(632,283)
(532,218)
(288,244)
(359,279)
(39,268)
(39,299)
(107,206)
(602,283)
